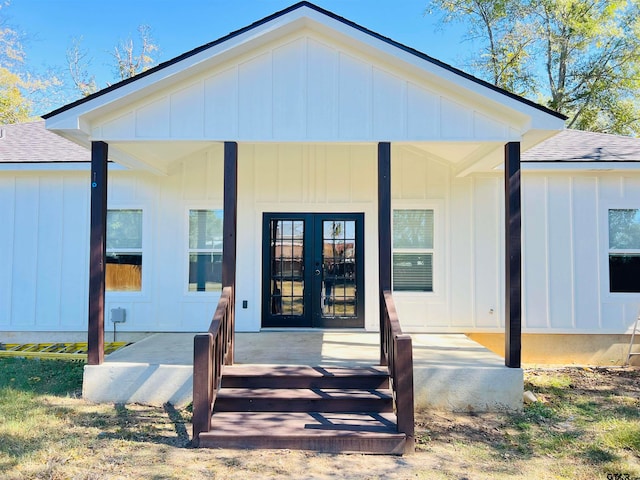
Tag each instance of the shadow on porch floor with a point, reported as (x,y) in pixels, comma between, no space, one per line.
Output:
(451,372)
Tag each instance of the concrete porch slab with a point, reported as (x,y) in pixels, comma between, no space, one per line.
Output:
(451,372)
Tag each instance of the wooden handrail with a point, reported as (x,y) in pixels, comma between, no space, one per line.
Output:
(211,351)
(397,353)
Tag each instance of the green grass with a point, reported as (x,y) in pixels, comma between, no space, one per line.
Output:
(585,426)
(581,423)
(51,377)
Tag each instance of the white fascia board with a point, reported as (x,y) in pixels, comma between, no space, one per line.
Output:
(579,166)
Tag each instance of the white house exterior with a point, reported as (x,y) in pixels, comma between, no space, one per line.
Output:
(308,97)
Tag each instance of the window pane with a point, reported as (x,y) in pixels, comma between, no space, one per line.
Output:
(205,229)
(413,272)
(624,273)
(624,229)
(124,272)
(205,272)
(124,229)
(413,229)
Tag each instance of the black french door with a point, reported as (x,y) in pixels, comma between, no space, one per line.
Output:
(313,270)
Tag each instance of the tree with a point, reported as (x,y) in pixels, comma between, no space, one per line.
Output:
(504,57)
(78,62)
(579,57)
(18,87)
(13,106)
(129,59)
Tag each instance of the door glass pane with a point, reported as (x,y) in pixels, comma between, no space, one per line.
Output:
(287,267)
(338,268)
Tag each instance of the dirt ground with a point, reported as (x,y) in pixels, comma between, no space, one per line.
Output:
(563,436)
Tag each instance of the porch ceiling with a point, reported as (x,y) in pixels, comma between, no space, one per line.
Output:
(157,156)
(160,156)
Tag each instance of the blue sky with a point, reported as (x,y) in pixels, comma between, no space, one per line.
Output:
(181,25)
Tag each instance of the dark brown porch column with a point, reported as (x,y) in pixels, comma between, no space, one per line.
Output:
(229,227)
(384,228)
(230,206)
(513,277)
(97,252)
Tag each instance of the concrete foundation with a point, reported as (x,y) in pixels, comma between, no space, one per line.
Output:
(565,349)
(150,384)
(451,372)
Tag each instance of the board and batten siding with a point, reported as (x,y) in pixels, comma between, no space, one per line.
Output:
(45,243)
(306,87)
(565,249)
(294,178)
(565,252)
(468,241)
(45,218)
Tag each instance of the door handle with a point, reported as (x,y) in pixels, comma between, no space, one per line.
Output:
(317,272)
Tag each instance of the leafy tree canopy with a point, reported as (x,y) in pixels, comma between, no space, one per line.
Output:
(19,89)
(579,57)
(129,58)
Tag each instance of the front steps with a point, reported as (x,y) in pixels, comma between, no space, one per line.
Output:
(337,409)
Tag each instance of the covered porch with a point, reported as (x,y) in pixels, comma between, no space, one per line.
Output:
(300,121)
(451,372)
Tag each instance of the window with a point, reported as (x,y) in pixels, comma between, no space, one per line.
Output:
(124,251)
(624,250)
(205,250)
(413,250)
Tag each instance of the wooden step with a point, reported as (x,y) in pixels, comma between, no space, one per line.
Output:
(321,432)
(303,400)
(302,376)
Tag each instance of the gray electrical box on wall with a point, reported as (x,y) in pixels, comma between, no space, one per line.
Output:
(118,315)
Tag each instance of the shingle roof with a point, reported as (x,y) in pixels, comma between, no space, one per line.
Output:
(581,146)
(32,143)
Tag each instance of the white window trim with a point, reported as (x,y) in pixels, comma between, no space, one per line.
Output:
(605,275)
(438,250)
(145,251)
(187,251)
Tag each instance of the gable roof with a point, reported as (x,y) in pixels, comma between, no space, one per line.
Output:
(579,146)
(270,18)
(32,143)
